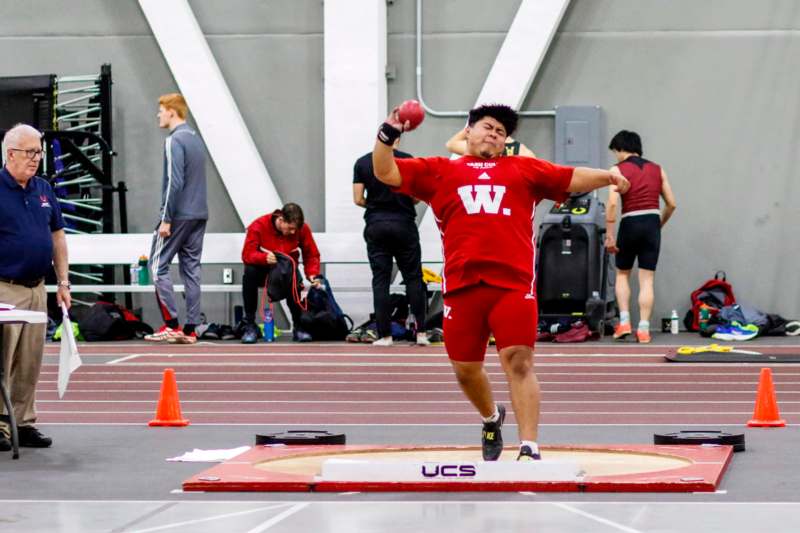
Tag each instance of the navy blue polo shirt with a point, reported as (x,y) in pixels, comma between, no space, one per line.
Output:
(28,217)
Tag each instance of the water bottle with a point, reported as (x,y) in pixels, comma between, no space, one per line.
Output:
(144,272)
(269,324)
(673,322)
(134,274)
(704,316)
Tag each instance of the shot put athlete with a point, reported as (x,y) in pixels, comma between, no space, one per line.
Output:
(484,205)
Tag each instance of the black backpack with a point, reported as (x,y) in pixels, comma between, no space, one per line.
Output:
(323,319)
(105,321)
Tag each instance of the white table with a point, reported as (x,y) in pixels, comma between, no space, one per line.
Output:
(15,316)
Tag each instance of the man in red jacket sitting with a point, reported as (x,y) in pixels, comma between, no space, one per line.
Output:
(285,231)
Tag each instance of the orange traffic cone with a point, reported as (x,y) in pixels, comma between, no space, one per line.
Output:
(766,412)
(168,412)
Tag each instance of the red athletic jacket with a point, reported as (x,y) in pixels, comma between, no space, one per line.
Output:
(263,234)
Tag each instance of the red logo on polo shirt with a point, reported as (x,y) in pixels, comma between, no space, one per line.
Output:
(43,199)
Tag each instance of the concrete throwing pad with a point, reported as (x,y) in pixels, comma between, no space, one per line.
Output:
(327,468)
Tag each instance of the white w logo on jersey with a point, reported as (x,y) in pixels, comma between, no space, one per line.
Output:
(483,197)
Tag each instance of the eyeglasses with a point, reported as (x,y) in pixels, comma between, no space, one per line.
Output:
(29,153)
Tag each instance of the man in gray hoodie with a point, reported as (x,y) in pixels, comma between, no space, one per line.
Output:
(182,224)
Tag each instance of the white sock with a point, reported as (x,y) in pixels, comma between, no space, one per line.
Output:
(644,325)
(494,417)
(531,444)
(624,317)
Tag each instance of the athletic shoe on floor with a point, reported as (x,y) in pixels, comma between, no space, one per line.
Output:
(526,454)
(250,333)
(30,437)
(301,336)
(643,336)
(183,338)
(5,443)
(162,335)
(734,332)
(385,341)
(369,336)
(422,339)
(354,336)
(792,328)
(622,331)
(492,438)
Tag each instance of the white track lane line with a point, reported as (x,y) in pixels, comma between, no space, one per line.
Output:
(190,390)
(595,518)
(470,412)
(659,358)
(121,359)
(210,518)
(356,424)
(407,401)
(199,377)
(279,518)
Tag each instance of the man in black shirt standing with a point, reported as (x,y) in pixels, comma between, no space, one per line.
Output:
(391,233)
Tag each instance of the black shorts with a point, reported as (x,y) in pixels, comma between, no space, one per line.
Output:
(639,237)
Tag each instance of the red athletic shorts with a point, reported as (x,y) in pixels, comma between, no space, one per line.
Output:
(472,313)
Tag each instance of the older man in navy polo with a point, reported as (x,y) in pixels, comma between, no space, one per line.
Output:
(31,240)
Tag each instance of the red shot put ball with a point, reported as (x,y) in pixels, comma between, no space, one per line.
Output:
(411,111)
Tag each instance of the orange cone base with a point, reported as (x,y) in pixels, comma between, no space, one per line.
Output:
(168,423)
(766,423)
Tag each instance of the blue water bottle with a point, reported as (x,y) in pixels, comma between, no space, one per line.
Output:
(269,324)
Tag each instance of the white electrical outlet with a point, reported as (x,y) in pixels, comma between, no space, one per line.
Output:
(227,275)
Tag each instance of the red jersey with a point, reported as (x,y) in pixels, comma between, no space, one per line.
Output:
(484,209)
(262,233)
(645,190)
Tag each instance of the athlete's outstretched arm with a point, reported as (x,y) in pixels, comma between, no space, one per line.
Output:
(382,155)
(588,179)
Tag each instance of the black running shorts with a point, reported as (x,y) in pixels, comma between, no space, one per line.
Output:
(639,237)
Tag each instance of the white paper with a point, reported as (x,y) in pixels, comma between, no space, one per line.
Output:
(209,456)
(68,359)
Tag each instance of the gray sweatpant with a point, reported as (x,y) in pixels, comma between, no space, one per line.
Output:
(186,240)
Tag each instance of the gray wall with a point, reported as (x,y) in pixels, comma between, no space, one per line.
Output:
(711,87)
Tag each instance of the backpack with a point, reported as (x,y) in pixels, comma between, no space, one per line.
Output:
(106,321)
(281,282)
(323,319)
(715,294)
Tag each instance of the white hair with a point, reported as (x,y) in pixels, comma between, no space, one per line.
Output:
(16,134)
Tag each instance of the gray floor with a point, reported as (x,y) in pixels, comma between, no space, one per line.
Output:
(115,478)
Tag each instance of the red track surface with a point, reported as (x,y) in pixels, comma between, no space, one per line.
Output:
(358,384)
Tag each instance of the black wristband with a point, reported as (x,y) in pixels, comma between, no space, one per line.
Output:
(388,134)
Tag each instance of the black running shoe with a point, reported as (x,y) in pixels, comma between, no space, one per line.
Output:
(492,439)
(526,454)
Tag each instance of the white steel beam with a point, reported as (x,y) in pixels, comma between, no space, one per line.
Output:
(355,99)
(210,101)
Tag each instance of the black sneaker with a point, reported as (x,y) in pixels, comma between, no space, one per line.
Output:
(492,439)
(250,333)
(301,336)
(30,437)
(526,454)
(5,443)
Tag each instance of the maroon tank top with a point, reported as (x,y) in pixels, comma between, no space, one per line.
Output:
(645,178)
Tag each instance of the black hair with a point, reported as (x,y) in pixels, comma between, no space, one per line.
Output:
(627,141)
(500,112)
(293,214)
